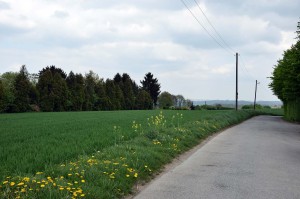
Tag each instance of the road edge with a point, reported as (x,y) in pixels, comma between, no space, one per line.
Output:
(140,186)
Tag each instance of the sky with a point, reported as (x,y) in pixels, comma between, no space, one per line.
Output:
(157,36)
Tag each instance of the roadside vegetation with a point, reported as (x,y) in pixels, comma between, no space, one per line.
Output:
(286,80)
(97,154)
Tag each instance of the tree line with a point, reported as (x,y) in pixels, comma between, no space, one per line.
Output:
(52,90)
(168,101)
(286,80)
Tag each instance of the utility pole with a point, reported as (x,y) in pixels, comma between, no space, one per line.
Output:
(255,94)
(236,82)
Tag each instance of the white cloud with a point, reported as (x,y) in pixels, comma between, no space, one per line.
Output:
(161,37)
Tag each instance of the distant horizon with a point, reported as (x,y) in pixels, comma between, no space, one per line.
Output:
(234,100)
(240,102)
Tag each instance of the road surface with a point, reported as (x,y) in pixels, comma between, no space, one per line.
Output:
(257,159)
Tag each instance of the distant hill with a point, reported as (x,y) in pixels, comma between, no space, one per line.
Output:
(231,103)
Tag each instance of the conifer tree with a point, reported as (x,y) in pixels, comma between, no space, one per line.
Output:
(152,86)
(22,90)
(53,89)
(1,97)
(143,101)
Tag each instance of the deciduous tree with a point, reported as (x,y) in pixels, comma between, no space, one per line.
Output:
(8,80)
(165,100)
(286,80)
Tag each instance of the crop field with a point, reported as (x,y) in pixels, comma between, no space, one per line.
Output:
(96,154)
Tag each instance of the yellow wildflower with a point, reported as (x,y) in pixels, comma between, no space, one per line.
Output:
(21,183)
(12,183)
(26,179)
(42,185)
(5,182)
(23,190)
(136,175)
(130,170)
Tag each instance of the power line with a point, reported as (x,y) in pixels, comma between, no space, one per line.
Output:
(217,33)
(183,2)
(243,60)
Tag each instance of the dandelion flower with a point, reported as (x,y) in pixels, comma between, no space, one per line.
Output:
(26,179)
(42,185)
(12,183)
(21,183)
(136,175)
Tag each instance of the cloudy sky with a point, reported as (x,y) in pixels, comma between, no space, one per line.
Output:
(158,36)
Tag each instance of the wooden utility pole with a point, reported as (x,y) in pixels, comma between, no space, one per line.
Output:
(236,82)
(255,94)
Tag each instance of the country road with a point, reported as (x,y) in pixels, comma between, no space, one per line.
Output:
(259,158)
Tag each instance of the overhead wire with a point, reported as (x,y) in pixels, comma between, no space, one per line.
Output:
(184,3)
(214,29)
(217,37)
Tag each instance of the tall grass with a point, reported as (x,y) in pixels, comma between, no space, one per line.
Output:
(96,154)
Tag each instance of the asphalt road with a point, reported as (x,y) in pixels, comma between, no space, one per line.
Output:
(257,159)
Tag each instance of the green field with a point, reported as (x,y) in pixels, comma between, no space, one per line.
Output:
(96,154)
